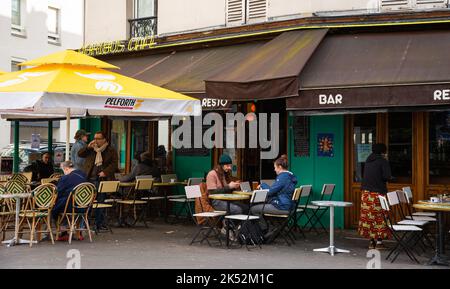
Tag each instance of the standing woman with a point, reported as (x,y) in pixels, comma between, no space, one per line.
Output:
(377,172)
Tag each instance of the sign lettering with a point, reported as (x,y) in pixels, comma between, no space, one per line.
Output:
(443,94)
(330,99)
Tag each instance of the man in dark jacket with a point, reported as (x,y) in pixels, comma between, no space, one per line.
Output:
(377,171)
(41,169)
(101,162)
(72,178)
(145,167)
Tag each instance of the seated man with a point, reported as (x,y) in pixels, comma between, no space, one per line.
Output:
(146,166)
(72,178)
(41,169)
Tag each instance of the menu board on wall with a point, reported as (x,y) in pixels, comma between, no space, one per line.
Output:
(301,136)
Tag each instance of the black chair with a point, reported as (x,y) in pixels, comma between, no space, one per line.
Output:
(281,221)
(317,212)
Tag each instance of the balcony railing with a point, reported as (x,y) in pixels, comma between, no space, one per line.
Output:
(142,27)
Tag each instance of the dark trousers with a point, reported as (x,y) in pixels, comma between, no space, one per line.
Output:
(99,213)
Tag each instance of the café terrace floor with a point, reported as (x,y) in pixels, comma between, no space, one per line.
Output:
(167,246)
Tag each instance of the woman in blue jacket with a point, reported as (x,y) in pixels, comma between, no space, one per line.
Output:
(279,198)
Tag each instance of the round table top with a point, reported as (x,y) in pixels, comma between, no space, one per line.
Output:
(170,184)
(229,197)
(428,202)
(332,203)
(438,207)
(243,193)
(12,196)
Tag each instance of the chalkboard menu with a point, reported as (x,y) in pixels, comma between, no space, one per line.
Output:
(301,136)
(194,152)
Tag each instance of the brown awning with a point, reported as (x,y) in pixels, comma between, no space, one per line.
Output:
(376,70)
(185,71)
(269,72)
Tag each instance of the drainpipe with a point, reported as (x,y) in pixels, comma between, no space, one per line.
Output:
(16,147)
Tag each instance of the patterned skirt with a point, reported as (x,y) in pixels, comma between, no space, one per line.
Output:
(371,221)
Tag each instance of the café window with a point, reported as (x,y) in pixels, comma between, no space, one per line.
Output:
(53,25)
(439,135)
(144,8)
(119,141)
(364,135)
(400,146)
(140,137)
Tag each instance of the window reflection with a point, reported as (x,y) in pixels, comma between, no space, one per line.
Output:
(364,135)
(400,146)
(439,135)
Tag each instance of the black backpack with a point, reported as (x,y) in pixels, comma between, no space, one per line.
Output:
(251,233)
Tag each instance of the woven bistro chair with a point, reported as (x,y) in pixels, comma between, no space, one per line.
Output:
(77,209)
(41,204)
(22,178)
(7,213)
(55,176)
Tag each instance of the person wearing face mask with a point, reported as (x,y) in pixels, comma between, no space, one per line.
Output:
(377,172)
(218,181)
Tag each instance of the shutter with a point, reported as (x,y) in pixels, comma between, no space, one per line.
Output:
(235,12)
(395,4)
(256,10)
(427,4)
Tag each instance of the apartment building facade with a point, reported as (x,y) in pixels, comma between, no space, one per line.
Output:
(31,29)
(341,75)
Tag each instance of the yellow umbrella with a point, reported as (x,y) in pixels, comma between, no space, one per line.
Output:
(57,88)
(68,57)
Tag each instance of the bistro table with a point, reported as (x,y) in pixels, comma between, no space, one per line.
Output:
(16,240)
(166,188)
(243,193)
(440,209)
(229,198)
(331,204)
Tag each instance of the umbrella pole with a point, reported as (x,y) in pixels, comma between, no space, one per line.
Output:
(67,134)
(16,147)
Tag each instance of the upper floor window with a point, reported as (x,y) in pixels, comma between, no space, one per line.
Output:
(145,22)
(17,22)
(144,8)
(53,25)
(246,11)
(15,64)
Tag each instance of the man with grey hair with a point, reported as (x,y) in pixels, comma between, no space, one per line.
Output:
(72,178)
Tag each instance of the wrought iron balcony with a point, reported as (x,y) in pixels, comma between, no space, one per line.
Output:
(142,27)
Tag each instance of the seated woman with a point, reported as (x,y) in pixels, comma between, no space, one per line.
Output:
(72,178)
(218,181)
(146,166)
(279,199)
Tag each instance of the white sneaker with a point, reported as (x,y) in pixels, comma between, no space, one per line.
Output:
(223,231)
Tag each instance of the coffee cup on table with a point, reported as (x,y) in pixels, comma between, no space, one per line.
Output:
(172,180)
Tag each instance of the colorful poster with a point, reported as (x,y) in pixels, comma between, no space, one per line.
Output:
(325,145)
(364,150)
